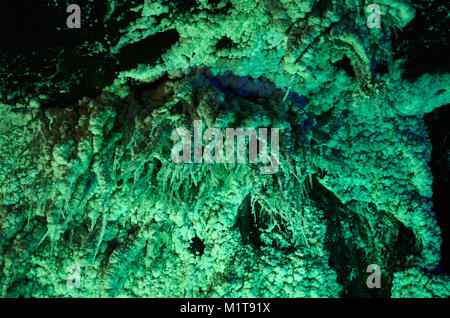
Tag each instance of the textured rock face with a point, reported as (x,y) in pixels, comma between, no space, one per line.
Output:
(88,183)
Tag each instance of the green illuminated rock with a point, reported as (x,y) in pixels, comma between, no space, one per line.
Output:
(87,180)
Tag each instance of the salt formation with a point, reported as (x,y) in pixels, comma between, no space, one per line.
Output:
(93,183)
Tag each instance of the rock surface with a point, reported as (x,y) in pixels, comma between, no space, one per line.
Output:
(87,180)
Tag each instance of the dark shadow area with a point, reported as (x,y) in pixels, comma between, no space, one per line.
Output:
(197,246)
(345,65)
(438,128)
(41,56)
(224,43)
(148,50)
(424,40)
(348,259)
(249,225)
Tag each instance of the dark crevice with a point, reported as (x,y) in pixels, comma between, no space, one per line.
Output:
(424,40)
(40,46)
(224,43)
(197,246)
(223,10)
(44,57)
(147,50)
(437,123)
(141,90)
(112,245)
(250,225)
(181,7)
(379,68)
(321,6)
(347,259)
(345,64)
